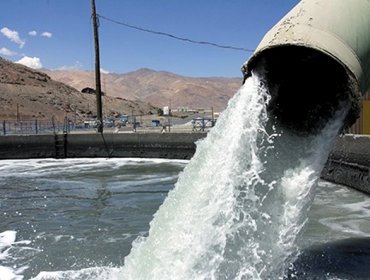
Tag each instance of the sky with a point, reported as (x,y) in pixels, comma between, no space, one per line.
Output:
(57,34)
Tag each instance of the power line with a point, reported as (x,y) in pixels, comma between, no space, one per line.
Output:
(174,36)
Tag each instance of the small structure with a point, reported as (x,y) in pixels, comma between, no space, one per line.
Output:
(166,111)
(155,123)
(200,123)
(123,119)
(90,124)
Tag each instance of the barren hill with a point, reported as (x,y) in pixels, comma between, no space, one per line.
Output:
(33,94)
(157,87)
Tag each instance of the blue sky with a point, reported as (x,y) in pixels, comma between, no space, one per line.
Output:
(57,34)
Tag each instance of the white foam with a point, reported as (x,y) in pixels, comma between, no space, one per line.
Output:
(7,243)
(7,273)
(98,273)
(7,238)
(40,167)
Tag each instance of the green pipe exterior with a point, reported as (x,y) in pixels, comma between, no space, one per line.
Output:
(338,28)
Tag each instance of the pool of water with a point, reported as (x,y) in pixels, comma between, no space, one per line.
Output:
(74,214)
(79,213)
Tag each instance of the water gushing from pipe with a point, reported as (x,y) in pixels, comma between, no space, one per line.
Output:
(241,202)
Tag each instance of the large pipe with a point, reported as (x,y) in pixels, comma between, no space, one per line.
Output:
(320,53)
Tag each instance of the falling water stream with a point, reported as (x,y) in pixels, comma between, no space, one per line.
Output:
(241,202)
(239,206)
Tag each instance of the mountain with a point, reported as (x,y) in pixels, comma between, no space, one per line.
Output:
(33,94)
(157,87)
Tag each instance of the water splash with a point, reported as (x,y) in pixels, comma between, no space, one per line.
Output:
(9,251)
(240,204)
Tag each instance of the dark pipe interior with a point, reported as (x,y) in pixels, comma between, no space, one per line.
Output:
(306,87)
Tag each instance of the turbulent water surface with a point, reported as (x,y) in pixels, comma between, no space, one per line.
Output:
(242,208)
(76,219)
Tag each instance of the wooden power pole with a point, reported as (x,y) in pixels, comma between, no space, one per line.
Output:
(99,113)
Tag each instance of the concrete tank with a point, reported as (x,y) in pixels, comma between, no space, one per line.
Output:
(314,58)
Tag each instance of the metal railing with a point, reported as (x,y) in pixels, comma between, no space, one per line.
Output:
(30,127)
(35,126)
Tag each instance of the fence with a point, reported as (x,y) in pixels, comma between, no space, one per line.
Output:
(35,127)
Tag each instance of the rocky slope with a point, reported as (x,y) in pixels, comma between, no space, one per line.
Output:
(33,94)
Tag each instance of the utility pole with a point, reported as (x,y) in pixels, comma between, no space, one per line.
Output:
(17,112)
(169,116)
(99,113)
(213,117)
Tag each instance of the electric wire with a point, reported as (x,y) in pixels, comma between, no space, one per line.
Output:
(174,36)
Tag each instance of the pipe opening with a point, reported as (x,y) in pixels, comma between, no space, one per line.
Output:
(306,86)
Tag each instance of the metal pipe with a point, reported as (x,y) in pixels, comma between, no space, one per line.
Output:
(320,37)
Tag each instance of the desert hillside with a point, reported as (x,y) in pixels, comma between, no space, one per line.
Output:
(158,88)
(33,94)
